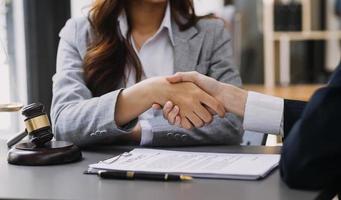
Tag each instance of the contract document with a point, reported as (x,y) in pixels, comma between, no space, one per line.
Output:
(198,165)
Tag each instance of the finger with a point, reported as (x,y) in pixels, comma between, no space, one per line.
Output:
(167,108)
(222,109)
(185,123)
(196,121)
(183,76)
(178,121)
(210,110)
(203,113)
(172,114)
(156,106)
(214,104)
(176,78)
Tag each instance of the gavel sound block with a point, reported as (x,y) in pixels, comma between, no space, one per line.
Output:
(40,150)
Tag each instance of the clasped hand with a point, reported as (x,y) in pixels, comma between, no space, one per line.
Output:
(189,99)
(195,111)
(193,107)
(194,100)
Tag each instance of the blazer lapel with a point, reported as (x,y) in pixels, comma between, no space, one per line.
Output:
(187,45)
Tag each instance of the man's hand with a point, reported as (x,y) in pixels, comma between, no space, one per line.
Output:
(233,98)
(208,84)
(193,104)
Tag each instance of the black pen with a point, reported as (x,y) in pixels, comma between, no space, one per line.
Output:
(129,175)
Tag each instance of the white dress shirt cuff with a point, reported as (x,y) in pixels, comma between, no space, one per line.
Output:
(263,114)
(146,133)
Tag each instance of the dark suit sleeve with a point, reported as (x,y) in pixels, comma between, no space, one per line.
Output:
(292,112)
(311,153)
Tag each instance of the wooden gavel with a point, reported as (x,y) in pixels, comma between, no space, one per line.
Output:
(40,149)
(37,124)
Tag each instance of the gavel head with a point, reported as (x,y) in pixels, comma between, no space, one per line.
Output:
(37,124)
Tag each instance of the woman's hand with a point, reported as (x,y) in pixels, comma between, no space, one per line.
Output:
(192,103)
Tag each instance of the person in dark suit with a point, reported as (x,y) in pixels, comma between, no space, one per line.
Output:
(311,153)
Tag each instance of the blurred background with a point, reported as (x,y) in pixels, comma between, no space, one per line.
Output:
(286,48)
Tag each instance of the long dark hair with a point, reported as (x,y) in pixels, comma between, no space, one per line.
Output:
(109,53)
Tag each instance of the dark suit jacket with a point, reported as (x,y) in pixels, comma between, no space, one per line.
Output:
(311,153)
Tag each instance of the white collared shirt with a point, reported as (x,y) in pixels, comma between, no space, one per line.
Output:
(264,114)
(157,58)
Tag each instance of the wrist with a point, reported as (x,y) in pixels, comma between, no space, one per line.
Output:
(234,99)
(149,88)
(157,90)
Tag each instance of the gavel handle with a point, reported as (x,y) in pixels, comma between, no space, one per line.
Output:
(15,139)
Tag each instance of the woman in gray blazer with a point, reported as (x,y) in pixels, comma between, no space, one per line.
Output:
(134,44)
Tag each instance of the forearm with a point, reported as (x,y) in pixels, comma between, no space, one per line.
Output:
(92,119)
(255,108)
(133,101)
(233,99)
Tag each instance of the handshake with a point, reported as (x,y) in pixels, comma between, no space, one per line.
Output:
(190,99)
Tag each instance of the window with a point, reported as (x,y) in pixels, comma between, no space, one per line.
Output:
(5,122)
(12,63)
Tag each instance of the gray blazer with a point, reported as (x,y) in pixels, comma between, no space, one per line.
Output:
(79,117)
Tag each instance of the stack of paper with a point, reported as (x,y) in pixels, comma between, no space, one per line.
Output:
(200,165)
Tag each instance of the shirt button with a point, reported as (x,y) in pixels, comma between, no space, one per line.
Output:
(169,135)
(184,137)
(177,136)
